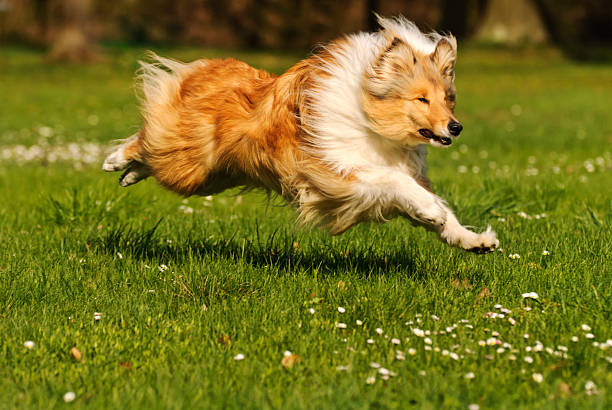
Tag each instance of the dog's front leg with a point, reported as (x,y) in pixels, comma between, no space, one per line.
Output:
(394,189)
(455,234)
(428,210)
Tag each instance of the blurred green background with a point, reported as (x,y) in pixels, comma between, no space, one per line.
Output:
(70,28)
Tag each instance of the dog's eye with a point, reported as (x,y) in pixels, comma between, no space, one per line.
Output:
(423,100)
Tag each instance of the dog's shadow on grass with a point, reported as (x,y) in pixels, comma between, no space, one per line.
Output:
(279,252)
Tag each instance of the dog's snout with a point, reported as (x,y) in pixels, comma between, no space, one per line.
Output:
(455,128)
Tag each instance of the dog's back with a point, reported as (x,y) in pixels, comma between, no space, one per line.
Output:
(205,128)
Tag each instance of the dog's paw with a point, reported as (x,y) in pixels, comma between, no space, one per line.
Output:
(115,161)
(484,242)
(133,174)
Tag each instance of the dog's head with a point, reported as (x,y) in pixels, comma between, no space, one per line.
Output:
(409,96)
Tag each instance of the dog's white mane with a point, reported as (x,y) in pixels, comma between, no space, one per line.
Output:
(339,129)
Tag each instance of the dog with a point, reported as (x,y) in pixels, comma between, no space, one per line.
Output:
(342,135)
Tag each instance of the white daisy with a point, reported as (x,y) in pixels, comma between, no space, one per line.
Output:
(418,332)
(590,388)
(69,396)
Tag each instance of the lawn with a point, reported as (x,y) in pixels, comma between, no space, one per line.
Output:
(162,296)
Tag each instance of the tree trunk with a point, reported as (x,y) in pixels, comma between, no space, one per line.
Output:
(512,22)
(72,42)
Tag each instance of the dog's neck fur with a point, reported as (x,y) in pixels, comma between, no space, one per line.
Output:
(338,129)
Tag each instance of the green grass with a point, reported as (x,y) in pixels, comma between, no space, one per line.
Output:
(241,277)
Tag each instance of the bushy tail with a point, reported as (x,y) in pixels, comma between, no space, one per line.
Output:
(159,84)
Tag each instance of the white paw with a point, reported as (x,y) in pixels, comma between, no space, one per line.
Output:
(135,173)
(484,242)
(115,161)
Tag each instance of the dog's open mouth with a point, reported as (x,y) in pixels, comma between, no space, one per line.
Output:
(431,136)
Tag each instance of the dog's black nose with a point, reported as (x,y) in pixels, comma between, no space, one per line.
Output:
(455,128)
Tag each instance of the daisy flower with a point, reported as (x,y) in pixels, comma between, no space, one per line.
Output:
(69,396)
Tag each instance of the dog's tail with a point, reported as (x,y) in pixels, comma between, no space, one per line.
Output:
(159,86)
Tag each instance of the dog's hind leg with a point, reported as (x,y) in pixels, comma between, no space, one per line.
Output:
(135,172)
(128,157)
(124,155)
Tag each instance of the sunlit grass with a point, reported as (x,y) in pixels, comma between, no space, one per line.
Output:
(183,286)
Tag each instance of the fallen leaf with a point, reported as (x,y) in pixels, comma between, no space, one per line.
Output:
(564,389)
(289,360)
(461,285)
(76,353)
(126,365)
(224,340)
(558,365)
(342,286)
(484,293)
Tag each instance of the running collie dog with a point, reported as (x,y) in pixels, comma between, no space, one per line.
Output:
(342,135)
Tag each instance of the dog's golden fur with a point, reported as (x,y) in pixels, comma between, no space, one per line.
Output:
(214,124)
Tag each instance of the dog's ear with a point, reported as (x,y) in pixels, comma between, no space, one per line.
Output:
(396,57)
(444,56)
